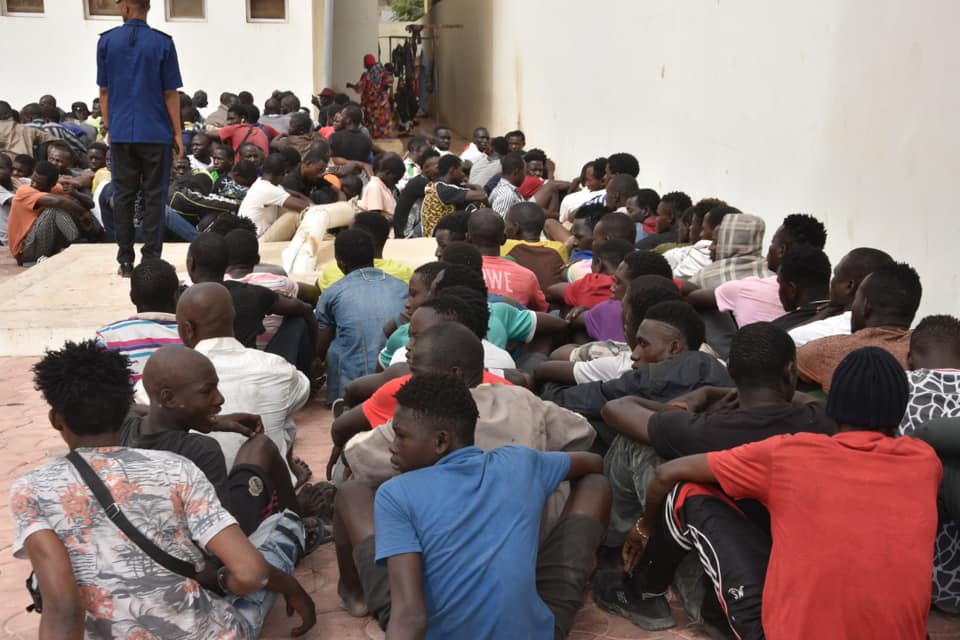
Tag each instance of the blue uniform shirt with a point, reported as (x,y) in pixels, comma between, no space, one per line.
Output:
(137,63)
(475,519)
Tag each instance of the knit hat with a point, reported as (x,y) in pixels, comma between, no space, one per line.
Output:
(869,390)
(369,59)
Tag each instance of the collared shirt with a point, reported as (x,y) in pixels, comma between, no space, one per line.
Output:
(137,63)
(504,196)
(138,337)
(253,381)
(356,307)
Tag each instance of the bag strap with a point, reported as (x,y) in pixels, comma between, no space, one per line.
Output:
(102,493)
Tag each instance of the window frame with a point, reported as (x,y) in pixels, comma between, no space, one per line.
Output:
(88,15)
(167,5)
(5,11)
(285,18)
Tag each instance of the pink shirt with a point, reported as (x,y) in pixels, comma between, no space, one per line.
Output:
(750,299)
(507,278)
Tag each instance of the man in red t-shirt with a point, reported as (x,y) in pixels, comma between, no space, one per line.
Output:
(242,127)
(852,524)
(438,350)
(504,277)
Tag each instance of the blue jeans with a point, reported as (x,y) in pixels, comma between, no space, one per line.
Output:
(273,539)
(172,221)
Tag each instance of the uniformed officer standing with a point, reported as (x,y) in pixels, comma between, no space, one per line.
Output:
(139,74)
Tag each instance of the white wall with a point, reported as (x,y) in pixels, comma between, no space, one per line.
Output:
(355,25)
(56,53)
(845,109)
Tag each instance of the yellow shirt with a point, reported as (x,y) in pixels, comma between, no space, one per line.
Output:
(556,245)
(331,272)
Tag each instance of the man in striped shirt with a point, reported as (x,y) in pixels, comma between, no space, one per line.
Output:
(154,288)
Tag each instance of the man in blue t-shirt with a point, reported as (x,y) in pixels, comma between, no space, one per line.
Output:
(138,74)
(458,529)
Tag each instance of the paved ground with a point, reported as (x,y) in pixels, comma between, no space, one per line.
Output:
(27,441)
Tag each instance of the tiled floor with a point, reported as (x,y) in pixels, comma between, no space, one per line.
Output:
(27,441)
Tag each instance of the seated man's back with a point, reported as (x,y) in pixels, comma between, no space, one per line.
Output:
(352,312)
(476,536)
(161,493)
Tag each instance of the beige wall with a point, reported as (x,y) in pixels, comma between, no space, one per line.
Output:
(56,53)
(354,35)
(843,109)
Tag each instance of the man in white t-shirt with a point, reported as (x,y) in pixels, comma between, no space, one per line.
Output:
(847,276)
(274,210)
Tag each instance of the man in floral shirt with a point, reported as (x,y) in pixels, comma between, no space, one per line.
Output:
(94,581)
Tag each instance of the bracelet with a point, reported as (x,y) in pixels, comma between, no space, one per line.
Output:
(636,527)
(222,574)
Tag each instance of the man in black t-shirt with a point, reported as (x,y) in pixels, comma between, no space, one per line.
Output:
(182,386)
(763,365)
(207,261)
(351,143)
(307,177)
(803,282)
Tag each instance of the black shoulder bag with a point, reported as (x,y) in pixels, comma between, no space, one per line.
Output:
(208,579)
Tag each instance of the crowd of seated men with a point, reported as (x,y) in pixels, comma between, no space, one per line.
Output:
(592,386)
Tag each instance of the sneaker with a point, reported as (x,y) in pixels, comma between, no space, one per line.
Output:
(613,594)
(125,270)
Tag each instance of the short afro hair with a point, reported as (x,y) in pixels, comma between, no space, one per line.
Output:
(243,248)
(87,385)
(353,249)
(647,291)
(455,275)
(374,223)
(440,403)
(154,285)
(209,253)
(938,333)
(227,222)
(894,289)
(511,162)
(591,213)
(806,266)
(682,317)
(623,163)
(499,145)
(759,353)
(463,305)
(429,271)
(678,200)
(448,163)
(455,223)
(614,251)
(465,254)
(647,263)
(805,229)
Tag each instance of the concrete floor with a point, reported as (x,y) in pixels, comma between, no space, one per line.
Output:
(71,296)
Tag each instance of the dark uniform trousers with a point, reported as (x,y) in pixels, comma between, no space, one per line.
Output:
(139,166)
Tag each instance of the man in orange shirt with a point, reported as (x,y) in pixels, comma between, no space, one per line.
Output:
(44,218)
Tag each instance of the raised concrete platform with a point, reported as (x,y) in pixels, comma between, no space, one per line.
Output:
(71,295)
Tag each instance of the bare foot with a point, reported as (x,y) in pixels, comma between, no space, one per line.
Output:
(352,603)
(301,471)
